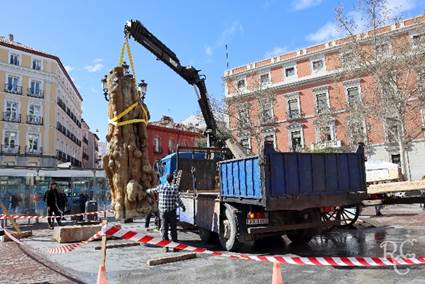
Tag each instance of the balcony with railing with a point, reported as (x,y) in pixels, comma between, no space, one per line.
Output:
(11,117)
(328,144)
(35,93)
(294,114)
(34,119)
(29,151)
(13,89)
(10,149)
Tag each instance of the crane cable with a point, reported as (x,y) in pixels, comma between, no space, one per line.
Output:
(114,121)
(126,46)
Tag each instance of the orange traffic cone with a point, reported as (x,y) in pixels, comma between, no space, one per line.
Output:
(277,274)
(101,276)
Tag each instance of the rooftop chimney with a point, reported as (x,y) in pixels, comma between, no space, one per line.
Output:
(11,37)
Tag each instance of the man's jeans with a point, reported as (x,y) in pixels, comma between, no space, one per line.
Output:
(169,219)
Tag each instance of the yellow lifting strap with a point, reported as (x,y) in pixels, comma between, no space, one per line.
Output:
(114,120)
(126,46)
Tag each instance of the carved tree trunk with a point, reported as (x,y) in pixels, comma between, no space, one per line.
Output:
(126,163)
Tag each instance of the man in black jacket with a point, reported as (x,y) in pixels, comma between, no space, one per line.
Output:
(51,198)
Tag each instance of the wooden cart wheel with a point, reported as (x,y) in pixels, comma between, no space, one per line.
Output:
(345,216)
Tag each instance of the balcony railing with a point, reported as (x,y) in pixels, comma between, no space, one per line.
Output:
(10,149)
(35,93)
(11,117)
(85,140)
(34,119)
(13,89)
(33,152)
(294,114)
(329,144)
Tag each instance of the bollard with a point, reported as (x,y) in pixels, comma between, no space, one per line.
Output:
(101,276)
(277,274)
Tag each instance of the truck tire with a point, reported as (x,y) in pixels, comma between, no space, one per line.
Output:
(229,231)
(301,237)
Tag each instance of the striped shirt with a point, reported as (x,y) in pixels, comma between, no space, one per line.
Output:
(168,197)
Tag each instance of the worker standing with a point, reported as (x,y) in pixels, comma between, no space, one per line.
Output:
(168,201)
(51,198)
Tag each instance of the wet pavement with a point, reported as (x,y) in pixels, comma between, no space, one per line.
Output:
(403,224)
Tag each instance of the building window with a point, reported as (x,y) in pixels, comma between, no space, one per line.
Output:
(32,142)
(296,140)
(14,59)
(171,145)
(325,134)
(10,140)
(294,108)
(156,145)
(35,88)
(347,57)
(395,159)
(418,39)
(241,85)
(36,64)
(382,50)
(393,130)
(243,118)
(269,137)
(322,102)
(290,71)
(421,80)
(317,65)
(265,79)
(34,114)
(13,85)
(266,112)
(353,95)
(423,117)
(12,109)
(245,143)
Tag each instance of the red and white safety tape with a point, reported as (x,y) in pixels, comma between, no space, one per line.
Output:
(24,217)
(122,233)
(71,247)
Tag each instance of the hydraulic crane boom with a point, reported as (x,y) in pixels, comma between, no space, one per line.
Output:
(140,33)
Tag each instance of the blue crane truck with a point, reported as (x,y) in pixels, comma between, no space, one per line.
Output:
(249,198)
(242,200)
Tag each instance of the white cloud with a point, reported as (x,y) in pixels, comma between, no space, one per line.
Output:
(392,10)
(276,51)
(95,67)
(397,7)
(68,68)
(326,32)
(298,5)
(226,36)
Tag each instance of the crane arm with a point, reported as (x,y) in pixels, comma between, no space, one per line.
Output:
(141,34)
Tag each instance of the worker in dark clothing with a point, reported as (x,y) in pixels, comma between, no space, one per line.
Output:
(51,199)
(62,201)
(168,201)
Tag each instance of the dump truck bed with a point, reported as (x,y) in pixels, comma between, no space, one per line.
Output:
(295,181)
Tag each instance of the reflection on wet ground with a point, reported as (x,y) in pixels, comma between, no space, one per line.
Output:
(349,242)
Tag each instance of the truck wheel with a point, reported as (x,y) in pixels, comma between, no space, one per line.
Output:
(300,237)
(228,232)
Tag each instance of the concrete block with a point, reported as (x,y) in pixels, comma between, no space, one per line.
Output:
(75,233)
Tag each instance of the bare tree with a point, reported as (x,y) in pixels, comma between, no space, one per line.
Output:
(395,63)
(250,113)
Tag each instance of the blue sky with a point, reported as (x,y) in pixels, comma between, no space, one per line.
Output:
(87,36)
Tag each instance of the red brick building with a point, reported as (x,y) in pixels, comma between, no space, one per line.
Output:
(165,135)
(304,85)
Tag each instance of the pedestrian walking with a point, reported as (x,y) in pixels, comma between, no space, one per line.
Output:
(168,202)
(51,199)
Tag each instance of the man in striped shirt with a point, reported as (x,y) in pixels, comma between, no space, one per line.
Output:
(168,201)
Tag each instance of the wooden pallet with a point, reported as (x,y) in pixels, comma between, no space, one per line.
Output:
(396,187)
